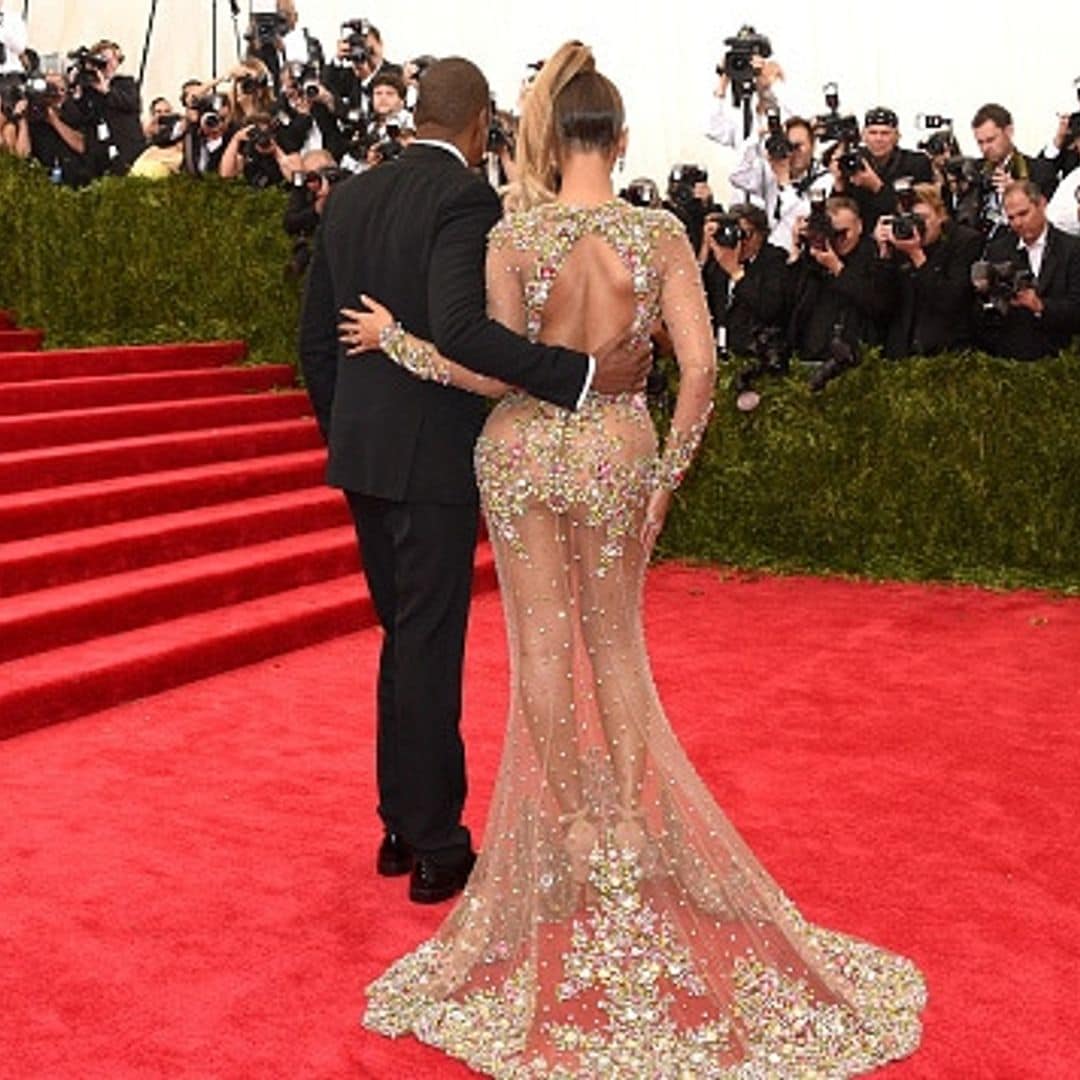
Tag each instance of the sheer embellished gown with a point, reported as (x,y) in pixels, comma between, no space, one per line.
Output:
(616,927)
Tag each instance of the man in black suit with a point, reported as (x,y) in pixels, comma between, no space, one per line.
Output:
(1041,320)
(412,233)
(928,258)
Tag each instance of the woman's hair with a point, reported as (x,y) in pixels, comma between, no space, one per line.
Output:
(261,100)
(570,107)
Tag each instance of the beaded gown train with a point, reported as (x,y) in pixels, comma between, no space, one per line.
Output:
(616,927)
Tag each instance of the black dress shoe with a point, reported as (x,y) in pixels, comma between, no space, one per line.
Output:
(433,882)
(395,856)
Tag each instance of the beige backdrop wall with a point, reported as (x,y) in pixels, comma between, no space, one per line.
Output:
(661,55)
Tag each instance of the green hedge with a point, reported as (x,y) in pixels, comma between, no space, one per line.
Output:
(127,261)
(959,468)
(962,468)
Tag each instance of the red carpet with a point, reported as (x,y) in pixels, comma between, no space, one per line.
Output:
(188,884)
(162,517)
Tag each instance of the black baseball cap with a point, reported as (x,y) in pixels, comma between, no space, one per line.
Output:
(881,115)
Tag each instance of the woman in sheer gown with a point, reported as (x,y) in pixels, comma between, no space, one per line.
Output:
(615,927)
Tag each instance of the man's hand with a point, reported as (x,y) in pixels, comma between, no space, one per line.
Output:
(1000,178)
(728,258)
(1030,299)
(828,258)
(865,177)
(1062,133)
(623,363)
(781,168)
(768,71)
(912,248)
(883,235)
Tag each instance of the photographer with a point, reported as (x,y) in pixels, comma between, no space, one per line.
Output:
(359,59)
(308,113)
(312,184)
(749,83)
(867,173)
(689,198)
(275,39)
(254,153)
(111,108)
(745,277)
(250,91)
(929,259)
(779,173)
(13,40)
(838,292)
(48,127)
(208,128)
(1029,285)
(1002,163)
(165,131)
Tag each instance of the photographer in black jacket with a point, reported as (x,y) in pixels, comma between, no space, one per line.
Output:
(746,277)
(311,187)
(1029,288)
(111,106)
(928,259)
(49,127)
(879,163)
(838,286)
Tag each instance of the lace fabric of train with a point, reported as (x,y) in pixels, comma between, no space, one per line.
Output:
(616,926)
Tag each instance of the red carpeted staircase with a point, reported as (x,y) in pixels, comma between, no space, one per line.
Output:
(163,517)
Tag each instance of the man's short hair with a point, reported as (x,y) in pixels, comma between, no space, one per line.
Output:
(388,78)
(929,195)
(842,202)
(1028,187)
(452,93)
(759,220)
(104,44)
(798,121)
(997,113)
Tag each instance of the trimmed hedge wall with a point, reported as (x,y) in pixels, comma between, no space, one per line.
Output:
(133,261)
(959,468)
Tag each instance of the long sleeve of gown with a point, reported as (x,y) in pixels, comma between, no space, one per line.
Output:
(685,313)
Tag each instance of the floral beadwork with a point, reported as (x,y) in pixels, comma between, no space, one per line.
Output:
(581,462)
(417,358)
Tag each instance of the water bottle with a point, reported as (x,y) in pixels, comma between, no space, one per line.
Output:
(56,174)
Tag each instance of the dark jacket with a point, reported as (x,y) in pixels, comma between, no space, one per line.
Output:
(120,110)
(901,162)
(760,299)
(932,305)
(856,302)
(412,234)
(1020,334)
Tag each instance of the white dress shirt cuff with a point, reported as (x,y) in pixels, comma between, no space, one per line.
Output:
(589,375)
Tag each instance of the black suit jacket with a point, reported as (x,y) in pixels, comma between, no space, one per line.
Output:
(412,234)
(931,309)
(1020,334)
(760,299)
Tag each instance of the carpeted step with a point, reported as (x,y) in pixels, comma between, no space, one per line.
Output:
(23,470)
(87,392)
(77,679)
(66,614)
(17,341)
(100,502)
(124,421)
(112,549)
(119,360)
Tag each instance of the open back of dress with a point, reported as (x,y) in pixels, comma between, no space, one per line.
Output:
(616,927)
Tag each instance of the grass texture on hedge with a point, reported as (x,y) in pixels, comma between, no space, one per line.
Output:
(129,261)
(959,468)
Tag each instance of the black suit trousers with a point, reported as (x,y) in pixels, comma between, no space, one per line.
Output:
(418,560)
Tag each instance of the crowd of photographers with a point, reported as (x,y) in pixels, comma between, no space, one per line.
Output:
(840,238)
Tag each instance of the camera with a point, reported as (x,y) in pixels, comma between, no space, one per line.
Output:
(738,64)
(681,182)
(313,178)
(777,145)
(770,352)
(167,130)
(641,192)
(819,232)
(997,283)
(260,141)
(356,38)
(843,355)
(209,107)
(942,141)
(728,232)
(851,159)
(906,225)
(265,28)
(86,67)
(500,135)
(831,127)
